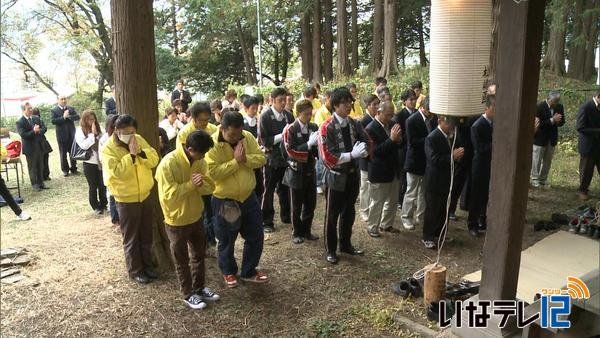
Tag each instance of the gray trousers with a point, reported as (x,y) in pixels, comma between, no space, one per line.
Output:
(383,201)
(413,207)
(541,162)
(363,205)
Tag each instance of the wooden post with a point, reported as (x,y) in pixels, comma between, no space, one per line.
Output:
(434,286)
(517,73)
(135,86)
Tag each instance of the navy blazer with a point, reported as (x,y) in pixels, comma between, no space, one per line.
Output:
(588,127)
(481,137)
(416,132)
(548,131)
(65,128)
(30,141)
(363,163)
(383,166)
(187,98)
(438,154)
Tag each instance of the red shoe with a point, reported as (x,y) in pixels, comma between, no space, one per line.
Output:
(230,281)
(258,278)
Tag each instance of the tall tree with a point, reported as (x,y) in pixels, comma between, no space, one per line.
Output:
(306,46)
(496,7)
(135,81)
(584,40)
(554,59)
(377,36)
(420,33)
(343,65)
(327,40)
(390,62)
(247,53)
(354,22)
(316,41)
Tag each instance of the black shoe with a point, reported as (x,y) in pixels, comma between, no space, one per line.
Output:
(286,221)
(47,179)
(332,258)
(352,251)
(452,216)
(482,227)
(473,232)
(402,289)
(142,279)
(269,229)
(98,212)
(311,237)
(150,273)
(297,240)
(75,172)
(416,289)
(65,173)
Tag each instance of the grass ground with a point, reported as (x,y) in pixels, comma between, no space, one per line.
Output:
(84,290)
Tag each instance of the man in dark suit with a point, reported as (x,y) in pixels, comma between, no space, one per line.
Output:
(32,130)
(110,105)
(270,135)
(440,159)
(409,100)
(462,172)
(588,127)
(551,115)
(181,94)
(418,126)
(372,104)
(383,170)
(481,137)
(64,118)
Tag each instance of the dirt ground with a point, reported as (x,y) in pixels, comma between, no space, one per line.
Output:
(82,288)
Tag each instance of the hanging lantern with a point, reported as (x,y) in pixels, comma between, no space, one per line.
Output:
(460,39)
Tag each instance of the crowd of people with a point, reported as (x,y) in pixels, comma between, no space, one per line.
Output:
(223,161)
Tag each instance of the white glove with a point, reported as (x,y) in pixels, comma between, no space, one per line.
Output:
(359,150)
(277,139)
(313,138)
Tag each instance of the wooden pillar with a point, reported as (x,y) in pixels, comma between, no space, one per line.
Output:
(517,73)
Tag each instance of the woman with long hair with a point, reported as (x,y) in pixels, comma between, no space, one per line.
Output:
(87,137)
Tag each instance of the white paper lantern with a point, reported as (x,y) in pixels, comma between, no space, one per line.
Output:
(459,55)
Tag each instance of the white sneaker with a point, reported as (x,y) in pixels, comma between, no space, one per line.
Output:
(195,302)
(319,190)
(23,216)
(535,184)
(408,226)
(208,294)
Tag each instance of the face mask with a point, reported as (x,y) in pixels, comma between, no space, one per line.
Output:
(125,138)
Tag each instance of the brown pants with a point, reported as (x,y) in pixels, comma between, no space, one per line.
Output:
(586,169)
(180,236)
(136,225)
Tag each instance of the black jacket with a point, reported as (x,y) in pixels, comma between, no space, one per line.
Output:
(548,131)
(65,128)
(252,130)
(481,137)
(437,152)
(416,132)
(588,127)
(383,165)
(268,127)
(363,163)
(400,118)
(110,106)
(185,102)
(31,141)
(300,157)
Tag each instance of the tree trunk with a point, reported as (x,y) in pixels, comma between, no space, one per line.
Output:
(246,54)
(422,56)
(327,40)
(554,59)
(316,41)
(306,47)
(377,36)
(285,55)
(354,20)
(390,64)
(173,18)
(494,41)
(585,36)
(343,65)
(135,82)
(592,43)
(99,90)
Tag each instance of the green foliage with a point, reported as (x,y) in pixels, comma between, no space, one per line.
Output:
(327,328)
(83,101)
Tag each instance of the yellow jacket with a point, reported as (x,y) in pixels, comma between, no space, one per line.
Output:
(129,181)
(322,115)
(190,128)
(180,200)
(316,104)
(3,152)
(233,180)
(419,100)
(357,111)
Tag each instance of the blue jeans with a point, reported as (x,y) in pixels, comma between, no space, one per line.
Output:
(112,207)
(209,229)
(251,231)
(320,172)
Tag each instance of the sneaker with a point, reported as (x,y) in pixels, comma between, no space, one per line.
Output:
(23,216)
(98,212)
(452,216)
(230,281)
(195,302)
(583,229)
(535,184)
(408,226)
(319,190)
(208,294)
(574,225)
(268,229)
(428,244)
(258,278)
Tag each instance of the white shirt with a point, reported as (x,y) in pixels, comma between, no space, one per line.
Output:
(489,121)
(251,120)
(342,120)
(303,127)
(595,101)
(86,142)
(171,129)
(278,115)
(387,131)
(423,116)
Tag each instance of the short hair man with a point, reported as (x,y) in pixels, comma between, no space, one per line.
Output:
(409,100)
(32,129)
(179,93)
(64,118)
(200,114)
(250,105)
(588,128)
(110,105)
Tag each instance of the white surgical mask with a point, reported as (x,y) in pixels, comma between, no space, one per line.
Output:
(125,138)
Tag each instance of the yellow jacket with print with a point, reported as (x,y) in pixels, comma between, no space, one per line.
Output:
(129,180)
(190,128)
(180,200)
(233,180)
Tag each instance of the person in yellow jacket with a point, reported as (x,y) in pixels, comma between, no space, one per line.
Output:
(231,163)
(357,112)
(311,94)
(200,113)
(128,159)
(323,113)
(417,86)
(183,179)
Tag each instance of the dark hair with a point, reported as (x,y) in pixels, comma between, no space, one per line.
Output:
(351,85)
(260,98)
(416,85)
(490,100)
(177,102)
(199,141)
(249,100)
(243,97)
(310,91)
(316,84)
(425,102)
(199,108)
(232,119)
(407,94)
(370,98)
(380,80)
(35,111)
(124,121)
(383,90)
(170,111)
(303,105)
(216,104)
(231,93)
(278,91)
(179,81)
(110,123)
(328,93)
(340,94)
